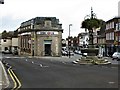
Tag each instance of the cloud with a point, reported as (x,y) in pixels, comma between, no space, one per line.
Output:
(68,12)
(10,24)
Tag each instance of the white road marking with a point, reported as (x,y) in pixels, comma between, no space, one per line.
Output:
(45,66)
(40,65)
(63,62)
(111,82)
(75,62)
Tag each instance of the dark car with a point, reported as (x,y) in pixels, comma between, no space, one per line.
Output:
(15,52)
(6,52)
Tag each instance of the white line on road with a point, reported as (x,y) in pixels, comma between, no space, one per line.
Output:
(63,62)
(111,82)
(32,62)
(40,65)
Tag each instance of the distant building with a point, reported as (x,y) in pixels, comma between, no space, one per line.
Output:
(101,39)
(6,44)
(83,40)
(40,36)
(14,44)
(9,41)
(113,35)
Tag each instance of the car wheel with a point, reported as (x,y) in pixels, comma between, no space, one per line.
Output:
(118,59)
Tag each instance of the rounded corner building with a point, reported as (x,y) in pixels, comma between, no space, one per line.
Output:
(40,36)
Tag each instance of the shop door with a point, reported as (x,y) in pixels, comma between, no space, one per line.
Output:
(47,49)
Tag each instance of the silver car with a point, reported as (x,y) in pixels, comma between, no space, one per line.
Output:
(116,55)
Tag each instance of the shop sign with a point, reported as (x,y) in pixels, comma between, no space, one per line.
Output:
(47,33)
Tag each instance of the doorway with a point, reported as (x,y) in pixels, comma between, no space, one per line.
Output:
(47,47)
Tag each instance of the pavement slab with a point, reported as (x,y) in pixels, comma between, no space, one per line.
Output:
(4,81)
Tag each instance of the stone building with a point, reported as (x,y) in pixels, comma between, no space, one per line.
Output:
(40,36)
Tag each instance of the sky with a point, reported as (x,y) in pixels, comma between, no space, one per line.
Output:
(14,12)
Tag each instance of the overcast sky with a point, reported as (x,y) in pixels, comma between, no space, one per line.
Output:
(14,12)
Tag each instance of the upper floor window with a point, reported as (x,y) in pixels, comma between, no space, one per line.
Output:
(110,25)
(119,26)
(47,23)
(116,26)
(4,40)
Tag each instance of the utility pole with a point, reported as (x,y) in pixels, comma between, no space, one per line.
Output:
(69,40)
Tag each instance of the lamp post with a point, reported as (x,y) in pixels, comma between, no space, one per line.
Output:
(69,40)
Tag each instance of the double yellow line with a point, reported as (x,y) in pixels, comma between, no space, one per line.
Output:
(17,83)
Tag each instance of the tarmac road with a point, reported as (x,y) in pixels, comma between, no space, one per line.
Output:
(50,73)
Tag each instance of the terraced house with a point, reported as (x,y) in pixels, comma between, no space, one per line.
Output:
(40,36)
(113,35)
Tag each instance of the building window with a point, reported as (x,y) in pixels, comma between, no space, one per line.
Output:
(107,36)
(47,23)
(119,26)
(112,24)
(116,27)
(112,36)
(4,40)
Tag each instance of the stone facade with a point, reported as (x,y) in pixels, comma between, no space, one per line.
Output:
(40,36)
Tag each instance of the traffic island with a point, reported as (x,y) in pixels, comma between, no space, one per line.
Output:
(93,60)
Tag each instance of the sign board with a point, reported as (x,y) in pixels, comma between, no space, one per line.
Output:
(47,33)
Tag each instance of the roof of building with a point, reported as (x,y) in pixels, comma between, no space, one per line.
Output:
(40,20)
(113,19)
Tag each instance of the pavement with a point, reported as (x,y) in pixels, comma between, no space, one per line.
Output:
(4,81)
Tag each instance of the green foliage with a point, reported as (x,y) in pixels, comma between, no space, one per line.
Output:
(6,34)
(91,23)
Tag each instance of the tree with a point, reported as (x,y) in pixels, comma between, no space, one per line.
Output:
(91,24)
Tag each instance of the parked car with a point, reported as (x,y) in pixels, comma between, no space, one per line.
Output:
(64,53)
(15,52)
(78,52)
(116,55)
(6,52)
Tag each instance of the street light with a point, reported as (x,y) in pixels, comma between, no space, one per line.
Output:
(69,40)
